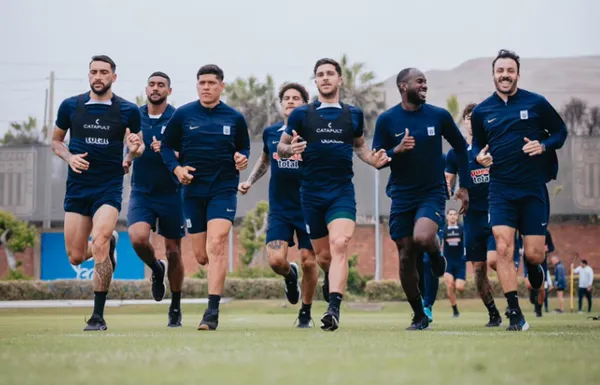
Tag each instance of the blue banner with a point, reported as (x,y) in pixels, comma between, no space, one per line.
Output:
(55,262)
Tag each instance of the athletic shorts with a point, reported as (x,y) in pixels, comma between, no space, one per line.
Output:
(478,236)
(86,200)
(403,217)
(163,212)
(522,209)
(319,209)
(457,268)
(281,227)
(200,210)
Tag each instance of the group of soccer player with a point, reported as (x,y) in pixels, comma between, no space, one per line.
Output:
(186,165)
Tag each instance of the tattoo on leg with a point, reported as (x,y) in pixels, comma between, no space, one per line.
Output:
(102,275)
(483,284)
(275,245)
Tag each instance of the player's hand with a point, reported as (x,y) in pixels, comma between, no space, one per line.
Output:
(244,187)
(126,165)
(155,144)
(77,163)
(133,141)
(183,174)
(484,158)
(379,158)
(241,162)
(406,144)
(532,147)
(463,195)
(298,144)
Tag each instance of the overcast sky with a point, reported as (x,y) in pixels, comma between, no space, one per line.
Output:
(260,37)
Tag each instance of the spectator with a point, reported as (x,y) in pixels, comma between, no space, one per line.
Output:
(586,278)
(560,283)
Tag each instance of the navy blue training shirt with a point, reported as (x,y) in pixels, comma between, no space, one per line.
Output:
(284,186)
(327,163)
(505,125)
(453,243)
(421,169)
(480,179)
(100,140)
(207,140)
(150,175)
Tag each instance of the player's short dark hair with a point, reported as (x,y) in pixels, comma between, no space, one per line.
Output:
(105,59)
(468,109)
(162,75)
(455,210)
(584,261)
(211,69)
(294,86)
(507,54)
(403,76)
(320,62)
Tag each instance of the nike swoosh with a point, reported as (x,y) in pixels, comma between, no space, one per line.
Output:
(400,134)
(193,128)
(275,142)
(491,120)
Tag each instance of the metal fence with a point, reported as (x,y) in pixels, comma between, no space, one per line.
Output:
(32,183)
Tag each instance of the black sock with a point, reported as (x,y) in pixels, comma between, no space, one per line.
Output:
(175,300)
(335,300)
(99,302)
(455,308)
(491,307)
(213,301)
(417,306)
(306,307)
(157,269)
(513,300)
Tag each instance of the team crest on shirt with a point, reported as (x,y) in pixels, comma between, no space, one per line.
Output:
(524,114)
(431,131)
(226,130)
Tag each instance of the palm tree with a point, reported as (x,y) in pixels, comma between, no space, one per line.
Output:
(453,107)
(23,133)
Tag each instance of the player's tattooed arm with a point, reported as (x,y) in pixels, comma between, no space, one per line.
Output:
(450,180)
(284,148)
(374,158)
(260,168)
(58,144)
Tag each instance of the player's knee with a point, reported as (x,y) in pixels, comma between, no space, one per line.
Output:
(173,253)
(138,239)
(100,245)
(340,244)
(493,264)
(423,240)
(309,261)
(277,259)
(450,284)
(76,257)
(502,249)
(324,258)
(534,254)
(215,246)
(460,286)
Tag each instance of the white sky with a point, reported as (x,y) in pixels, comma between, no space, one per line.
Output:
(259,37)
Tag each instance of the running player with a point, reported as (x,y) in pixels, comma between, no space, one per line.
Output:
(156,196)
(99,121)
(213,144)
(454,251)
(511,130)
(411,133)
(285,211)
(328,130)
(479,241)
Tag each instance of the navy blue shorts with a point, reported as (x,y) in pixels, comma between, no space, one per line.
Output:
(522,209)
(478,236)
(200,210)
(281,227)
(403,217)
(86,200)
(166,209)
(319,209)
(457,268)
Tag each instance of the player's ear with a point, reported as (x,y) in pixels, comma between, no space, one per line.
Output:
(170,90)
(114,77)
(222,86)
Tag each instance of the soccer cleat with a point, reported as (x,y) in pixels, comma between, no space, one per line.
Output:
(429,313)
(456,314)
(517,321)
(438,266)
(419,323)
(292,287)
(159,283)
(304,320)
(330,320)
(210,320)
(326,287)
(174,318)
(536,275)
(95,323)
(112,250)
(495,320)
(538,310)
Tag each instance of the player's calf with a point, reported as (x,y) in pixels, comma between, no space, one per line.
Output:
(425,240)
(176,274)
(310,277)
(534,256)
(277,254)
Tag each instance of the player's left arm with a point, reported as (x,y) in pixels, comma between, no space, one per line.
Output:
(375,158)
(452,134)
(554,124)
(450,171)
(242,144)
(133,135)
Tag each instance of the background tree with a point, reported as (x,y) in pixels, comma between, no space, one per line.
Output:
(253,233)
(23,133)
(593,122)
(573,113)
(141,99)
(453,107)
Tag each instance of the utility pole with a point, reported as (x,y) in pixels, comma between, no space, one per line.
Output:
(51,108)
(48,182)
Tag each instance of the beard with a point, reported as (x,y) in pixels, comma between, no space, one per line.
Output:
(101,91)
(414,98)
(329,94)
(513,85)
(158,101)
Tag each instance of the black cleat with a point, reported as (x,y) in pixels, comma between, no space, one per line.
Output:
(292,287)
(538,310)
(456,314)
(174,318)
(536,275)
(517,321)
(438,266)
(419,324)
(326,287)
(330,320)
(304,320)
(159,284)
(495,320)
(112,250)
(210,320)
(95,323)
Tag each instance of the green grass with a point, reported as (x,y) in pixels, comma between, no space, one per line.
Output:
(256,344)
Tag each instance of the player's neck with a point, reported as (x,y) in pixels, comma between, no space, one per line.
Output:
(330,99)
(504,96)
(452,224)
(211,105)
(285,120)
(408,106)
(101,98)
(469,139)
(157,109)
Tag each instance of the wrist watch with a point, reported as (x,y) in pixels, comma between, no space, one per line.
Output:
(543,148)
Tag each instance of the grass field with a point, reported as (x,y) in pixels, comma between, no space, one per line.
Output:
(256,344)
